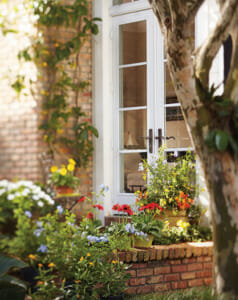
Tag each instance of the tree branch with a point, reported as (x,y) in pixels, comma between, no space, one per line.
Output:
(162,12)
(193,7)
(210,48)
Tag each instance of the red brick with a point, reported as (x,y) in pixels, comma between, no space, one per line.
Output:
(155,279)
(194,267)
(195,282)
(162,270)
(152,253)
(175,262)
(207,281)
(158,254)
(189,260)
(171,277)
(208,265)
(188,275)
(139,266)
(180,268)
(132,272)
(202,274)
(146,289)
(171,253)
(179,285)
(162,287)
(137,281)
(144,272)
(130,291)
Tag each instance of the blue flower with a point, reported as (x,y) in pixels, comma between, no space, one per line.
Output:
(130,228)
(39,224)
(42,248)
(37,232)
(60,209)
(28,213)
(104,188)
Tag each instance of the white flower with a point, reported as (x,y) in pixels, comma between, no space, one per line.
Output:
(140,168)
(10,197)
(40,203)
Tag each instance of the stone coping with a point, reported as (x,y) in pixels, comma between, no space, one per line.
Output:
(162,252)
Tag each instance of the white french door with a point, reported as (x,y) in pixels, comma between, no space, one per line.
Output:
(145,105)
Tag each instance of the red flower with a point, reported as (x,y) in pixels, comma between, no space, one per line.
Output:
(100,207)
(117,207)
(90,216)
(127,209)
(81,199)
(151,206)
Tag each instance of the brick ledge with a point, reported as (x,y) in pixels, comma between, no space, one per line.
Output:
(161,252)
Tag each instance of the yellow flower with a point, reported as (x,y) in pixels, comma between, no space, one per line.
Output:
(45,93)
(72,162)
(63,171)
(81,259)
(115,262)
(53,169)
(44,112)
(40,265)
(77,281)
(31,256)
(45,64)
(166,190)
(141,204)
(56,45)
(88,254)
(45,138)
(63,280)
(51,265)
(91,264)
(70,167)
(144,176)
(60,131)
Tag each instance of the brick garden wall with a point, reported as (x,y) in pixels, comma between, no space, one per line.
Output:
(20,140)
(169,268)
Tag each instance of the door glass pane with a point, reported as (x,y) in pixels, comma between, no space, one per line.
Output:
(131,176)
(176,128)
(133,86)
(132,43)
(116,2)
(133,127)
(169,88)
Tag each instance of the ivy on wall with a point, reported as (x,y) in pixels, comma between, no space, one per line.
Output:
(65,125)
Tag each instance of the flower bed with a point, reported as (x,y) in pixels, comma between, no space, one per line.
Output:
(168,268)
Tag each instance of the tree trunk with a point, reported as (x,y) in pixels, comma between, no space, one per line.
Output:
(191,81)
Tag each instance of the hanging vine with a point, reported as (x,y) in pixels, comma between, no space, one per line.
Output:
(65,124)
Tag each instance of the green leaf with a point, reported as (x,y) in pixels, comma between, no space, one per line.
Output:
(210,140)
(7,263)
(11,291)
(221,140)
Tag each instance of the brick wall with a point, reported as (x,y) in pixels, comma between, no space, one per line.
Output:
(20,140)
(169,268)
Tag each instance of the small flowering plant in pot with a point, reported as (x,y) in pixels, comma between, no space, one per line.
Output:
(145,222)
(172,185)
(63,178)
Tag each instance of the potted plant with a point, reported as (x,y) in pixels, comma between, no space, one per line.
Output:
(63,179)
(145,223)
(170,185)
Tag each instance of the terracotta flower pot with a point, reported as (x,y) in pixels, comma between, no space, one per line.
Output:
(143,243)
(64,190)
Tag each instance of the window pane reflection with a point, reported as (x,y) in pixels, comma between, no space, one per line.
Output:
(133,86)
(131,177)
(175,127)
(133,43)
(133,128)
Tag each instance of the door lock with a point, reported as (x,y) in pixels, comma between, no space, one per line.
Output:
(160,137)
(150,138)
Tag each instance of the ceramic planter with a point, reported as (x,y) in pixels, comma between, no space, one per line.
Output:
(143,243)
(172,218)
(63,190)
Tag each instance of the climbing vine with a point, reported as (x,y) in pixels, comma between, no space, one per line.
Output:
(65,125)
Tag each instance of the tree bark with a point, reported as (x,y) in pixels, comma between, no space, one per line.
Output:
(220,167)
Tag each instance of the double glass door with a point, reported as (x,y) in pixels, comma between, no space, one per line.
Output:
(146,107)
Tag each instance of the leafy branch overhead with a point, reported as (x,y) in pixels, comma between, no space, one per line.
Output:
(65,125)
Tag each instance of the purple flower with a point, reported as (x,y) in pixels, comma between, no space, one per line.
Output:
(42,248)
(60,209)
(28,213)
(104,188)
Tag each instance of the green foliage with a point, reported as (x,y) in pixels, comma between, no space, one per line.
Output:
(65,126)
(168,181)
(10,286)
(222,120)
(20,203)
